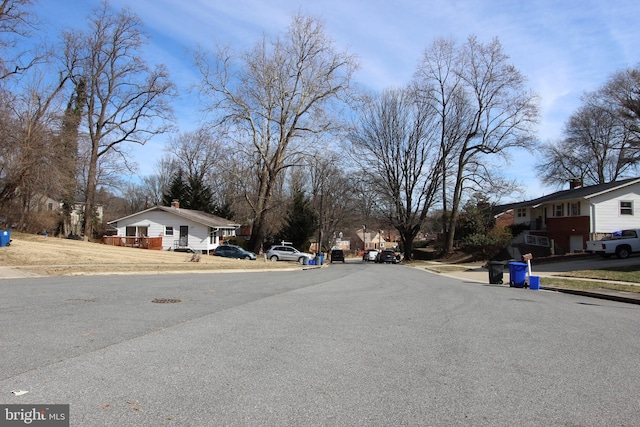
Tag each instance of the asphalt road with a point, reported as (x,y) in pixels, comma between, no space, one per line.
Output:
(350,344)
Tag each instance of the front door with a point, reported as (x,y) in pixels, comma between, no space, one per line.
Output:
(184,236)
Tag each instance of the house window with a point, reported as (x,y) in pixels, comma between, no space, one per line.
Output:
(558,210)
(521,212)
(574,209)
(141,231)
(626,208)
(213,233)
(50,207)
(168,231)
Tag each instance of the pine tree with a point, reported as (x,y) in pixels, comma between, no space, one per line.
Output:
(199,195)
(191,193)
(177,191)
(301,222)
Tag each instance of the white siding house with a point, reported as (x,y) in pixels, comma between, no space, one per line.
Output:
(615,210)
(179,228)
(571,217)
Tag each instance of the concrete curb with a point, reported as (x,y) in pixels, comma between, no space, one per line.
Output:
(618,296)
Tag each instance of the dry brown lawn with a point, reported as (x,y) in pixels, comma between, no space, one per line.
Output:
(53,256)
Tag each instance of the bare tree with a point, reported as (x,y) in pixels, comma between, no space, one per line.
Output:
(600,141)
(492,113)
(197,153)
(438,79)
(394,141)
(135,198)
(276,94)
(16,23)
(126,101)
(154,186)
(623,89)
(29,166)
(333,197)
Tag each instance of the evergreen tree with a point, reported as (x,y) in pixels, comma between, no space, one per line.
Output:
(199,195)
(301,222)
(177,191)
(224,210)
(191,193)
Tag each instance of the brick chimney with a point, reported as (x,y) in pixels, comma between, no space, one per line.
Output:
(175,204)
(575,183)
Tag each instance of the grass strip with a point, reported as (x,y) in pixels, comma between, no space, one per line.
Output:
(586,285)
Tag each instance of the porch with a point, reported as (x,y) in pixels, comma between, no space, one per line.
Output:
(154,243)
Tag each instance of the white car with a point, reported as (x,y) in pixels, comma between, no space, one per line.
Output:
(370,255)
(288,253)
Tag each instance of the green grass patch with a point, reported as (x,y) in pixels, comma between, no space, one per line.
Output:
(586,285)
(620,274)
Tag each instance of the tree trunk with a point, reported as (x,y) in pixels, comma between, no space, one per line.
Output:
(455,204)
(90,194)
(407,236)
(260,209)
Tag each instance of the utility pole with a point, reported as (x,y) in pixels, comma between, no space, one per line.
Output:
(320,228)
(364,237)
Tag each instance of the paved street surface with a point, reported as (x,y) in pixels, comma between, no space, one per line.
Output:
(348,344)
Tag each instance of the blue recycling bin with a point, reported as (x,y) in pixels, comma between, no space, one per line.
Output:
(517,274)
(5,238)
(320,259)
(534,283)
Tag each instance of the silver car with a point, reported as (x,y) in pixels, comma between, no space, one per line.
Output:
(288,253)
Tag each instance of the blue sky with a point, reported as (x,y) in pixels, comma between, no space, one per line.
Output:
(565,47)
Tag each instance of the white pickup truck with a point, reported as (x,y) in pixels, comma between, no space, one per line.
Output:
(622,244)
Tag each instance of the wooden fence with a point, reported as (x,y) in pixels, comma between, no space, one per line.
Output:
(154,243)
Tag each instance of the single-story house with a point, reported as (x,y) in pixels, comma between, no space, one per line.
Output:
(570,217)
(179,228)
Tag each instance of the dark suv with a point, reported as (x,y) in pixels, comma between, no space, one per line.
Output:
(337,255)
(387,256)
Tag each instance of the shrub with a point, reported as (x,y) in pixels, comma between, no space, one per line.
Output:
(486,246)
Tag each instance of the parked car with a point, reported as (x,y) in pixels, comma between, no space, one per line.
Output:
(288,253)
(369,255)
(387,256)
(233,251)
(622,244)
(337,255)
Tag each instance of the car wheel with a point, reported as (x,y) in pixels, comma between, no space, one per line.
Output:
(622,252)
(274,258)
(301,260)
(246,257)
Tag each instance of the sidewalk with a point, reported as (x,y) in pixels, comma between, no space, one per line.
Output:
(477,273)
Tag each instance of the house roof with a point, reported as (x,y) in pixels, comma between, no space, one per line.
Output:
(586,192)
(200,217)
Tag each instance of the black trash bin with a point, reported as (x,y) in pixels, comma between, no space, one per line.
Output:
(496,272)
